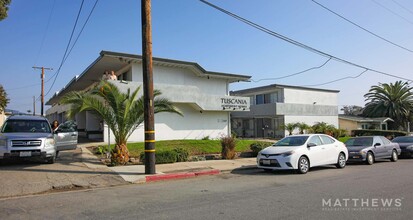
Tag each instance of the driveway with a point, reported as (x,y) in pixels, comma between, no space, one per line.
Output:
(75,169)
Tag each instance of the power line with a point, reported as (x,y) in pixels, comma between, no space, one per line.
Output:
(401,6)
(391,11)
(77,38)
(45,33)
(291,41)
(67,48)
(294,74)
(348,77)
(353,23)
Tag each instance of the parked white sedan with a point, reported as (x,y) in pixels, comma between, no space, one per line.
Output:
(300,152)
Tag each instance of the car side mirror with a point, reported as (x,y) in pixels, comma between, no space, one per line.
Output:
(377,144)
(311,145)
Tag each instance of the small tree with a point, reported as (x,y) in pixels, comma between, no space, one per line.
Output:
(122,112)
(302,127)
(290,127)
(3,99)
(4,8)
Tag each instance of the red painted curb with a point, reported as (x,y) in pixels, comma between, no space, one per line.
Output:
(207,172)
(170,176)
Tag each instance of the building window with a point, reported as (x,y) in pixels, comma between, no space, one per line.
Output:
(264,98)
(259,99)
(364,126)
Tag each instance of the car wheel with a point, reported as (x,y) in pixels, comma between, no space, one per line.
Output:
(303,165)
(51,160)
(341,161)
(394,156)
(369,158)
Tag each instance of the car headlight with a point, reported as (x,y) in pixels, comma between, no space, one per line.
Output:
(287,154)
(49,142)
(259,154)
(362,152)
(3,143)
(409,147)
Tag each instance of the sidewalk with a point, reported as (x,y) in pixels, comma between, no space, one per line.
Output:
(80,169)
(136,173)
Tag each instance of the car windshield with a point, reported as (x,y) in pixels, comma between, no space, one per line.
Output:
(291,141)
(361,141)
(33,126)
(403,140)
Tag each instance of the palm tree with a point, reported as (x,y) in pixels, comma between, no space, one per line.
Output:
(302,127)
(390,100)
(122,112)
(289,127)
(323,128)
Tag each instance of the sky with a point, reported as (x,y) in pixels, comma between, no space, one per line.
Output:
(37,33)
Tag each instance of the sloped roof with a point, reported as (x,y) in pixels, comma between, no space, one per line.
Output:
(115,61)
(364,119)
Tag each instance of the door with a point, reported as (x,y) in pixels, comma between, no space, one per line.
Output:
(316,151)
(379,147)
(66,136)
(331,149)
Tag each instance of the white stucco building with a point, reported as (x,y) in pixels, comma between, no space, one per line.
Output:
(202,96)
(275,105)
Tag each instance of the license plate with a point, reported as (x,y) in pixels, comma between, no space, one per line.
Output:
(356,157)
(266,162)
(25,153)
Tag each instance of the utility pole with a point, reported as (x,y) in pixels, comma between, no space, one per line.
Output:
(148,87)
(34,105)
(42,90)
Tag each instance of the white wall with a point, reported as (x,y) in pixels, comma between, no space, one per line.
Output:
(292,95)
(193,125)
(182,77)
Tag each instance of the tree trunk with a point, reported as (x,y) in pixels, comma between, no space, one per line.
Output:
(120,155)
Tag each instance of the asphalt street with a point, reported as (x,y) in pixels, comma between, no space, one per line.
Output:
(381,191)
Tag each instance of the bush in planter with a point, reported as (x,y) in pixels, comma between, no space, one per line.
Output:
(169,156)
(257,147)
(228,144)
(182,154)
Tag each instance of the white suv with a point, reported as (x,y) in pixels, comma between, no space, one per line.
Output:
(24,136)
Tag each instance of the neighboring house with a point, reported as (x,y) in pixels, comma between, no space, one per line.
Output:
(351,122)
(275,105)
(202,96)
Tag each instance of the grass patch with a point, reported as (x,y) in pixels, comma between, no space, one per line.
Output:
(194,147)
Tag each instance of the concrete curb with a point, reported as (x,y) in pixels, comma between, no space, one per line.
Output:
(171,176)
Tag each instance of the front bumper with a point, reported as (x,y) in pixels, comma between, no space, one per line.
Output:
(406,152)
(275,163)
(356,157)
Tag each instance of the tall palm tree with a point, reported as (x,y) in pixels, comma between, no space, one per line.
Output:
(122,112)
(390,100)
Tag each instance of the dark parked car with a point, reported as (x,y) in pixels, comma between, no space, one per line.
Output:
(406,144)
(370,148)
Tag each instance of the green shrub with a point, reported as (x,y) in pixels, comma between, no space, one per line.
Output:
(228,144)
(182,154)
(101,149)
(168,156)
(205,138)
(258,146)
